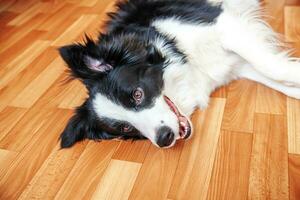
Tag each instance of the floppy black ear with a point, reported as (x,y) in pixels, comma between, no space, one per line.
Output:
(84,60)
(83,125)
(74,132)
(77,127)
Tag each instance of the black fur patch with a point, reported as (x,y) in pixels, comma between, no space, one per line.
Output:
(143,12)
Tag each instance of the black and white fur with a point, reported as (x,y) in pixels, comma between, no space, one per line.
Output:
(178,49)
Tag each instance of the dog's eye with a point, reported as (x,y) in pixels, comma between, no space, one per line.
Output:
(126,128)
(138,95)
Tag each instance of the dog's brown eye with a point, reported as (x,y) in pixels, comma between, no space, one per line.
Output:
(126,128)
(138,95)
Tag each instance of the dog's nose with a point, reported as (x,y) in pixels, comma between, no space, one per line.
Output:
(165,136)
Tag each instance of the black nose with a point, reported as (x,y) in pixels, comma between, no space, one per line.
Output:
(165,136)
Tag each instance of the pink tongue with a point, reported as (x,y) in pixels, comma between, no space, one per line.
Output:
(183,122)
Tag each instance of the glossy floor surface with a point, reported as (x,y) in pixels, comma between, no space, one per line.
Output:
(246,144)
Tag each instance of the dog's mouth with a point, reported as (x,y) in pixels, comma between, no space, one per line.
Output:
(184,124)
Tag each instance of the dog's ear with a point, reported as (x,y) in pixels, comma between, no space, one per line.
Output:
(84,61)
(83,125)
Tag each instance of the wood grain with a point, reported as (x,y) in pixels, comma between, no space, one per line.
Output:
(237,116)
(32,156)
(74,30)
(39,85)
(88,171)
(6,158)
(117,181)
(294,176)
(269,101)
(293,119)
(134,151)
(269,159)
(74,94)
(28,14)
(18,64)
(19,32)
(16,85)
(50,177)
(156,174)
(230,176)
(26,129)
(9,117)
(246,145)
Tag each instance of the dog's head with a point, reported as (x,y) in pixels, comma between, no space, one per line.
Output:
(124,78)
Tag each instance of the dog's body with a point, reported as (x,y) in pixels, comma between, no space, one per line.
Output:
(160,60)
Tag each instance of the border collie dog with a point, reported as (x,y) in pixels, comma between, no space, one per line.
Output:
(159,60)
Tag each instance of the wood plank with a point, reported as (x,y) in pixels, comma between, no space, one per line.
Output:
(156,174)
(237,116)
(230,177)
(20,46)
(54,95)
(192,177)
(28,14)
(9,117)
(21,6)
(293,119)
(88,170)
(74,30)
(52,174)
(292,26)
(53,20)
(6,158)
(220,92)
(39,85)
(292,2)
(74,95)
(18,64)
(26,129)
(31,158)
(294,176)
(16,85)
(5,4)
(88,3)
(269,101)
(269,159)
(6,17)
(117,180)
(134,151)
(19,32)
(4,33)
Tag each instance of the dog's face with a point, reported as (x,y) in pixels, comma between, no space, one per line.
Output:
(124,77)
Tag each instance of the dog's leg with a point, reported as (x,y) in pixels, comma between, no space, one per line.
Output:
(254,41)
(247,71)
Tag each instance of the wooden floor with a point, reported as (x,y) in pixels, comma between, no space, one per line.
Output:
(246,144)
